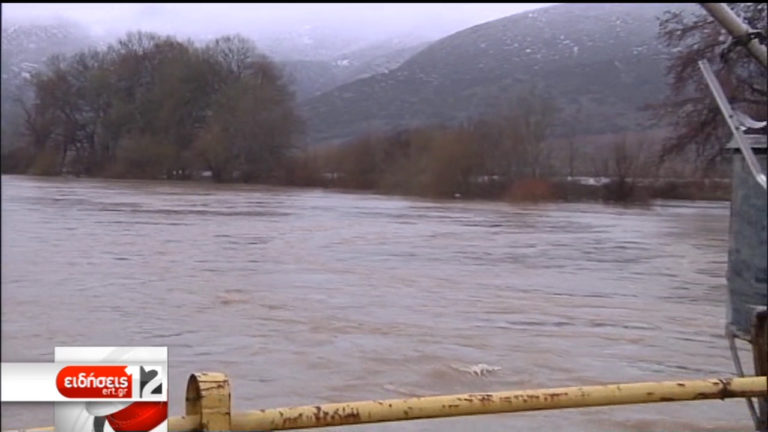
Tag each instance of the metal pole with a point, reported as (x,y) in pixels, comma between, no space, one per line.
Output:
(337,414)
(760,355)
(725,16)
(484,403)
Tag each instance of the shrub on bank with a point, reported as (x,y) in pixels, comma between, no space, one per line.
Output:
(531,189)
(17,160)
(715,190)
(45,163)
(623,190)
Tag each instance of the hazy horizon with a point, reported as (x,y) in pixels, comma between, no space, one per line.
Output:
(353,22)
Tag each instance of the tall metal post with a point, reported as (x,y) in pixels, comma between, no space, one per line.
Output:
(747,317)
(747,303)
(747,253)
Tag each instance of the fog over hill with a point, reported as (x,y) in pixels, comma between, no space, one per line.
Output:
(24,50)
(312,77)
(283,31)
(600,62)
(353,73)
(319,46)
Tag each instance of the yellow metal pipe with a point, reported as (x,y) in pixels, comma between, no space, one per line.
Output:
(479,403)
(492,403)
(184,423)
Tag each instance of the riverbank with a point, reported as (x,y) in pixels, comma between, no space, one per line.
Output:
(581,189)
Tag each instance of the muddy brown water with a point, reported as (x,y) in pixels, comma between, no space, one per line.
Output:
(306,296)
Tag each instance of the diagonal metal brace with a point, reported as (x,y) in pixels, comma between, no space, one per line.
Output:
(733,123)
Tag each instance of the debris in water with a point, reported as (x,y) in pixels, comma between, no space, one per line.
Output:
(480,369)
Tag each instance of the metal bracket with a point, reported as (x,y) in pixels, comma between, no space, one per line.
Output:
(733,24)
(731,334)
(742,41)
(209,398)
(745,39)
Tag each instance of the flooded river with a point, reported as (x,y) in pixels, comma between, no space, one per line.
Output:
(306,296)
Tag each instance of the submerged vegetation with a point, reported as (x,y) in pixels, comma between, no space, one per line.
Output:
(474,160)
(150,106)
(153,107)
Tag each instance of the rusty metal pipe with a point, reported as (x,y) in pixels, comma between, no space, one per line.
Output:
(486,403)
(476,403)
(184,423)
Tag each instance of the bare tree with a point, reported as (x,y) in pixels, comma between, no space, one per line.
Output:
(152,106)
(698,125)
(627,164)
(237,56)
(517,135)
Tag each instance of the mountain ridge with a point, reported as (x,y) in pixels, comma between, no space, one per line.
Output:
(601,62)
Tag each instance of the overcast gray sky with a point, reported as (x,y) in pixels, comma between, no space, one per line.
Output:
(428,19)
